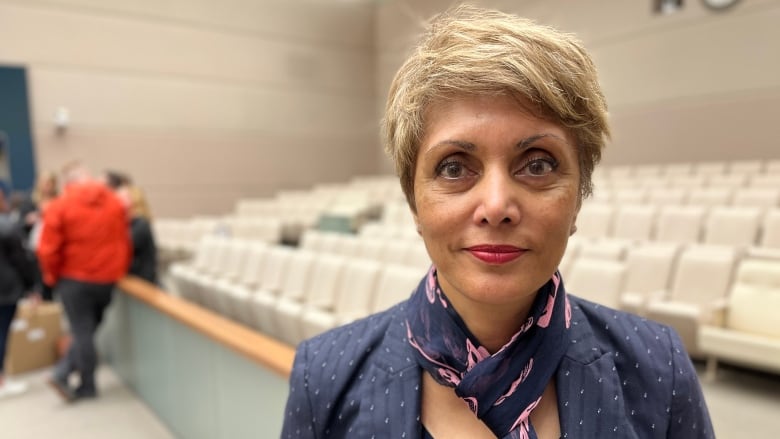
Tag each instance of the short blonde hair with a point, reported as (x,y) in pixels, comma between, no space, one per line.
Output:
(473,51)
(139,207)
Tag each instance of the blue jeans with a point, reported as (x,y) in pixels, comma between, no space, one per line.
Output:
(7,312)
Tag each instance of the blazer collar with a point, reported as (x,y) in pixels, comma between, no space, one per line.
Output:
(589,389)
(590,396)
(396,396)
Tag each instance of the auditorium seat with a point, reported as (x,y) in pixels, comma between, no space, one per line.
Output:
(766,181)
(595,220)
(274,275)
(680,224)
(765,198)
(686,181)
(319,292)
(710,168)
(770,227)
(772,167)
(648,274)
(673,169)
(746,167)
(229,259)
(635,222)
(352,299)
(238,293)
(710,197)
(613,249)
(731,225)
(745,330)
(596,279)
(183,272)
(664,196)
(396,283)
(701,277)
(629,196)
(372,248)
(728,181)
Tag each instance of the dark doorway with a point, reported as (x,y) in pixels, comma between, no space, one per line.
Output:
(17,163)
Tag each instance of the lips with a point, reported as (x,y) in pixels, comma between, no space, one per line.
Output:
(496,254)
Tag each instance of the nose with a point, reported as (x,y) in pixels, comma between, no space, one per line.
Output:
(498,201)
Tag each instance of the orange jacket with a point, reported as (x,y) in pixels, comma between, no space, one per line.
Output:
(85,236)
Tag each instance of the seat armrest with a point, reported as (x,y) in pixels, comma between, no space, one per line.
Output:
(715,312)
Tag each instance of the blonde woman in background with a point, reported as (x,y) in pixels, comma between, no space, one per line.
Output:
(30,217)
(144,263)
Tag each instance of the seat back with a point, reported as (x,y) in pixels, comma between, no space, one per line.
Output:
(595,220)
(770,236)
(358,284)
(765,198)
(396,283)
(254,263)
(731,225)
(755,298)
(326,277)
(649,268)
(634,221)
(598,280)
(297,275)
(274,269)
(710,197)
(681,224)
(703,274)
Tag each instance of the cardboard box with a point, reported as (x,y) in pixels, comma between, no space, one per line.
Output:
(32,342)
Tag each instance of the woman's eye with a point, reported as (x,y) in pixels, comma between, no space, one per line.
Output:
(539,167)
(451,170)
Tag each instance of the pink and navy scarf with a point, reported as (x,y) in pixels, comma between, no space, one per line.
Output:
(501,389)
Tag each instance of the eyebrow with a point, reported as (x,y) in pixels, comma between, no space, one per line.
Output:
(521,145)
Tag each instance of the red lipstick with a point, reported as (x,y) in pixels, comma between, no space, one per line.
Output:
(496,254)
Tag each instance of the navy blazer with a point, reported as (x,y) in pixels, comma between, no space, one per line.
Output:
(622,377)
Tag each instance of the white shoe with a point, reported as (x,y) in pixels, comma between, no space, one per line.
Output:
(12,388)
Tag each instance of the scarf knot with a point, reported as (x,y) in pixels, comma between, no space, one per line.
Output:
(501,389)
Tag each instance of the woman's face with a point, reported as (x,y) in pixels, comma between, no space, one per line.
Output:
(497,195)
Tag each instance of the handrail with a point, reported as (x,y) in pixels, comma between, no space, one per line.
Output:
(259,348)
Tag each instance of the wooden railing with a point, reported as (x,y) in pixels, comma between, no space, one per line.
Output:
(259,348)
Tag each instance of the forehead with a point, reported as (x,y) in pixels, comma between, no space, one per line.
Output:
(488,115)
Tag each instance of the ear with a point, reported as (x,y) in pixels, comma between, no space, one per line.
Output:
(573,228)
(417,223)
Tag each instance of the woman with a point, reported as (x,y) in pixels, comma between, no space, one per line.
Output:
(144,264)
(495,125)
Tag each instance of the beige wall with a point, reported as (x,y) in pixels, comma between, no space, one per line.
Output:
(695,85)
(201,101)
(205,101)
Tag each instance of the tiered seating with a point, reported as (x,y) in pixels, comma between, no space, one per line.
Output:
(646,242)
(744,329)
(668,238)
(702,276)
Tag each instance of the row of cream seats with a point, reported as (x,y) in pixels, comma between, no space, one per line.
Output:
(726,225)
(766,197)
(720,299)
(293,293)
(705,168)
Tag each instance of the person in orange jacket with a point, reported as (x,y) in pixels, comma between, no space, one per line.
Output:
(84,249)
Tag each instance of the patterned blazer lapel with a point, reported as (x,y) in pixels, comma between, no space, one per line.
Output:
(590,394)
(393,403)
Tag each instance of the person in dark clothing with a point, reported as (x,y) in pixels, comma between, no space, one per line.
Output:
(17,276)
(144,263)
